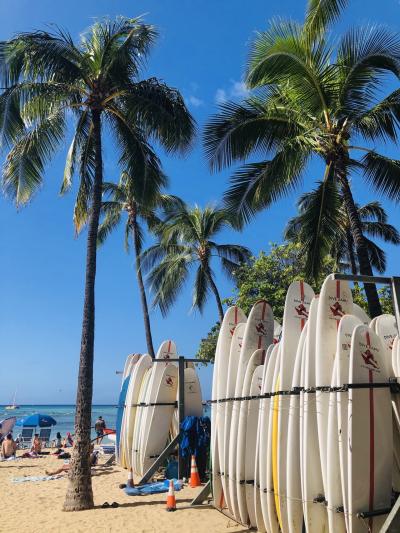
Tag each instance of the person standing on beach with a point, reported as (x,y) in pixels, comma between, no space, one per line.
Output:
(99,427)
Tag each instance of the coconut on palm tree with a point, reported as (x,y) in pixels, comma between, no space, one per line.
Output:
(51,84)
(138,197)
(186,243)
(324,206)
(314,98)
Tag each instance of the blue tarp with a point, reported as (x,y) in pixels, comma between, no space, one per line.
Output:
(152,488)
(43,421)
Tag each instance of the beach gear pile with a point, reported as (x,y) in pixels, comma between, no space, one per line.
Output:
(147,416)
(307,427)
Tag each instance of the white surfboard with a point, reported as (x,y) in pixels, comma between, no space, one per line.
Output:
(137,429)
(370,447)
(361,314)
(394,356)
(268,371)
(297,304)
(315,516)
(347,325)
(386,329)
(225,422)
(335,301)
(193,398)
(247,437)
(231,319)
(293,471)
(277,331)
(159,416)
(132,397)
(258,334)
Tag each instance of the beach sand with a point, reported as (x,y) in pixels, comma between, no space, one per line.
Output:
(36,506)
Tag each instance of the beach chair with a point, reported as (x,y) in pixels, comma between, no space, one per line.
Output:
(44,436)
(26,437)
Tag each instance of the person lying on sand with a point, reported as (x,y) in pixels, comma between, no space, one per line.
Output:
(8,447)
(65,467)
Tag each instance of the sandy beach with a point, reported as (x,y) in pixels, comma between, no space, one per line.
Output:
(36,506)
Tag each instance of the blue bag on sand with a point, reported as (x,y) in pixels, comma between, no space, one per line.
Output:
(152,488)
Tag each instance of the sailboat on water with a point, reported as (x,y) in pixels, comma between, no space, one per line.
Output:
(13,405)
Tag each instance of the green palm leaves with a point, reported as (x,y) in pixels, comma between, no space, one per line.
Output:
(312,98)
(187,243)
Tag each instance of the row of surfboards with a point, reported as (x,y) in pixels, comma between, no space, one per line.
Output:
(291,443)
(147,417)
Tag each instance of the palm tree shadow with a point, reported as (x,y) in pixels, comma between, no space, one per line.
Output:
(138,503)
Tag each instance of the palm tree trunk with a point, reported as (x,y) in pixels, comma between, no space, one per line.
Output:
(216,294)
(145,308)
(371,292)
(79,493)
(350,251)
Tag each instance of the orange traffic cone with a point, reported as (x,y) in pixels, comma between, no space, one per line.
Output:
(130,482)
(194,474)
(171,501)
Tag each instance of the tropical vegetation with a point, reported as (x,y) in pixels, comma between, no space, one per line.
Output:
(186,242)
(314,98)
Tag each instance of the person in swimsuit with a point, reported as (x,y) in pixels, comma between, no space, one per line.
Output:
(8,447)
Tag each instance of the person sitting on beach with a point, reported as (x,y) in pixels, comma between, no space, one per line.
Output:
(57,442)
(36,444)
(8,447)
(68,440)
(65,467)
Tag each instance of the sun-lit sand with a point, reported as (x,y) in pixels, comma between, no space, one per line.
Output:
(36,506)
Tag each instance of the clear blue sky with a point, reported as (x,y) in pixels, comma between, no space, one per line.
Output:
(201,50)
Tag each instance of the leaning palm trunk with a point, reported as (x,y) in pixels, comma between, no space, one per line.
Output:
(350,250)
(79,494)
(371,292)
(216,294)
(145,308)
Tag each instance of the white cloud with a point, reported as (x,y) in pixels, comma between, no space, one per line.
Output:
(196,102)
(221,96)
(237,90)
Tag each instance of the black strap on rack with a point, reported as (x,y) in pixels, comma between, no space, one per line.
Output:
(153,404)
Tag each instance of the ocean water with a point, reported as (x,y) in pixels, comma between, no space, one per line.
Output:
(63,414)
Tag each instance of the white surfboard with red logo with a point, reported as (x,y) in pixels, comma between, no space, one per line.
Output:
(315,516)
(225,428)
(258,334)
(386,328)
(370,445)
(335,301)
(232,317)
(335,484)
(159,416)
(167,350)
(361,314)
(297,305)
(247,437)
(293,471)
(193,399)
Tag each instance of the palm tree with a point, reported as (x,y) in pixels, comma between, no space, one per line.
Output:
(139,198)
(312,99)
(324,205)
(51,83)
(186,241)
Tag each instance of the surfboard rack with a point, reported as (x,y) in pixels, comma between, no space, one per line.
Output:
(182,363)
(371,514)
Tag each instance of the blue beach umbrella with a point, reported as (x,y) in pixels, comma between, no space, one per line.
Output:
(43,421)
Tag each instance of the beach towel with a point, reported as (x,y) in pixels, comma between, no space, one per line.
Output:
(24,479)
(152,488)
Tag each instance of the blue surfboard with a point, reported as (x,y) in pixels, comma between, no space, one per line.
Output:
(120,413)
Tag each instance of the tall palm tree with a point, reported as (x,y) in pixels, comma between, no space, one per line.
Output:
(139,199)
(187,241)
(313,98)
(51,83)
(324,206)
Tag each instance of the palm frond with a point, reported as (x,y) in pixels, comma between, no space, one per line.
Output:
(381,230)
(376,255)
(372,211)
(321,13)
(383,173)
(201,289)
(110,222)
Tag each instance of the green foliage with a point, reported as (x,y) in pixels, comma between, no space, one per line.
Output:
(268,276)
(208,344)
(385,298)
